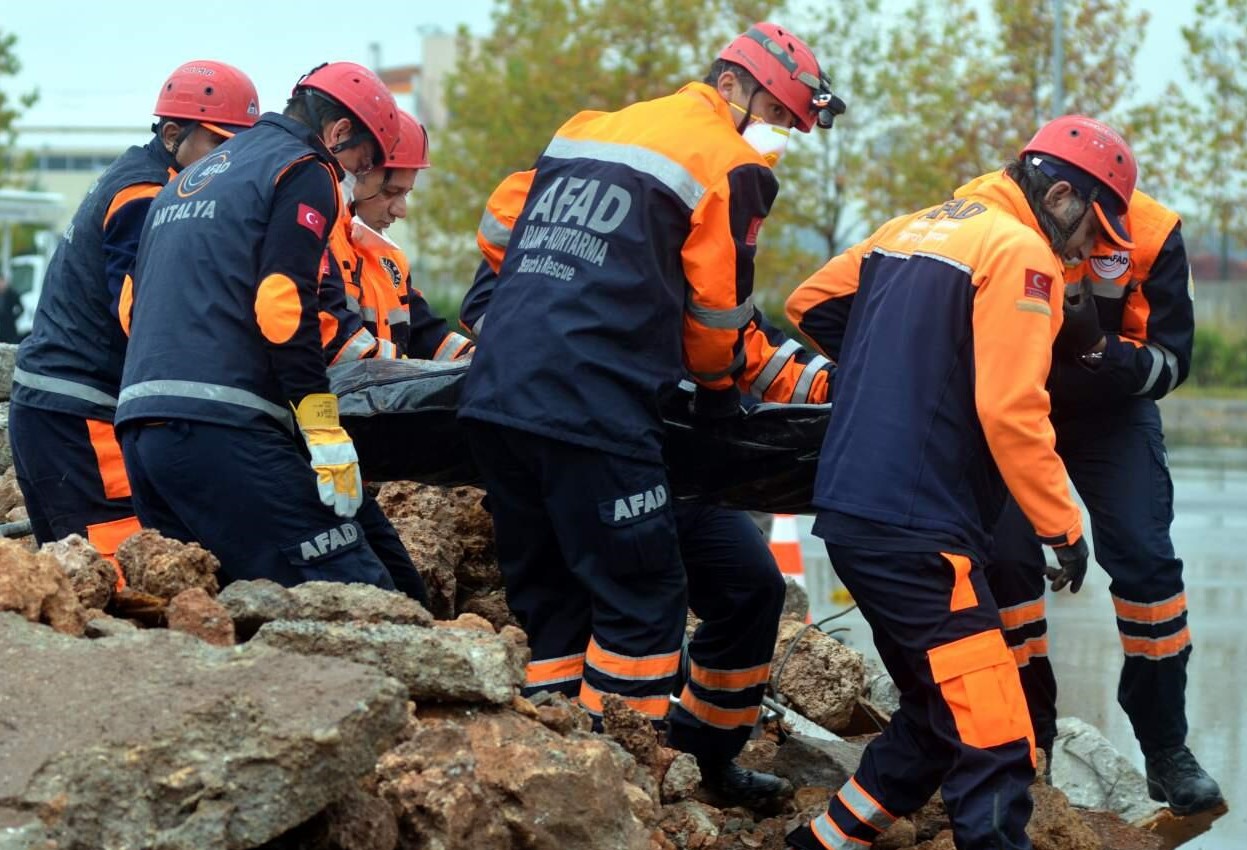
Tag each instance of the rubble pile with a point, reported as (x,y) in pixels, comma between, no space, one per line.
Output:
(344,717)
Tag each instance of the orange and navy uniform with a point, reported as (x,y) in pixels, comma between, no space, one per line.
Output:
(390,317)
(943,323)
(977,269)
(1144,300)
(1109,433)
(777,369)
(69,368)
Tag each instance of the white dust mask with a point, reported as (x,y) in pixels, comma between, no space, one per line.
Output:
(767,139)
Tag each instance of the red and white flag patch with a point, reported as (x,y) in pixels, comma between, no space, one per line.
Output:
(1038,285)
(312,220)
(751,235)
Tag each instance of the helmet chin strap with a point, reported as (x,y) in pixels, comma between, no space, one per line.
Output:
(1058,234)
(748,116)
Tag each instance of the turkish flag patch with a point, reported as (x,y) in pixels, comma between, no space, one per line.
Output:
(1038,285)
(312,220)
(751,235)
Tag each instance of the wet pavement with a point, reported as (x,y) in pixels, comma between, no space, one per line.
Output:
(1210,535)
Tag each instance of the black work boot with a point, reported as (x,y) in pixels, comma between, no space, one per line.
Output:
(733,785)
(1175,777)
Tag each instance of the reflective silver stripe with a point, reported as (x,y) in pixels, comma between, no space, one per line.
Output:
(802,393)
(207,392)
(732,319)
(666,171)
(451,346)
(1171,360)
(831,836)
(352,303)
(60,386)
(495,232)
(387,350)
(737,362)
(774,366)
(863,807)
(1158,360)
(398,315)
(480,323)
(356,347)
(368,314)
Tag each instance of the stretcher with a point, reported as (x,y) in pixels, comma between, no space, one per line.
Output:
(401,415)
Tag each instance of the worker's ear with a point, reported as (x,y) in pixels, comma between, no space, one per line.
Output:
(169,132)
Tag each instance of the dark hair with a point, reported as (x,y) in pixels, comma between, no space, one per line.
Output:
(1035,185)
(316,109)
(747,80)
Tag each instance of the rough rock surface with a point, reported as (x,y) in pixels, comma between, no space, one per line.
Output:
(334,602)
(557,712)
(796,600)
(472,780)
(449,536)
(162,567)
(807,761)
(35,587)
(822,678)
(631,729)
(10,492)
(435,555)
(8,360)
(182,745)
(443,665)
(1094,775)
(491,605)
(360,821)
(1055,826)
(692,825)
(92,577)
(1115,834)
(6,450)
(194,612)
(251,604)
(681,779)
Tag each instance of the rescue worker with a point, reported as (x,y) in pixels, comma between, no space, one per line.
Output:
(229,431)
(940,403)
(631,265)
(68,371)
(375,270)
(734,585)
(1126,342)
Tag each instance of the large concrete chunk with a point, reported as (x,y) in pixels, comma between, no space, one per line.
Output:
(444,665)
(1094,775)
(821,677)
(335,602)
(156,739)
(497,780)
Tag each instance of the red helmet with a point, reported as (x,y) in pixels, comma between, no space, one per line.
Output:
(1104,169)
(412,150)
(362,92)
(785,66)
(219,96)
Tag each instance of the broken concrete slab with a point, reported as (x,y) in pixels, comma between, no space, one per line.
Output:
(443,665)
(821,677)
(251,604)
(806,761)
(335,602)
(497,780)
(1094,775)
(156,739)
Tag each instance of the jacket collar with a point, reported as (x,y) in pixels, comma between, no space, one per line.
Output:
(712,98)
(998,190)
(305,134)
(156,148)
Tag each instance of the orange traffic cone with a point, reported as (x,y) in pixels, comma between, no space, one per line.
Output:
(786,547)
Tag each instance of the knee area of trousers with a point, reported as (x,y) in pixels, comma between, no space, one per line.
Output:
(978,680)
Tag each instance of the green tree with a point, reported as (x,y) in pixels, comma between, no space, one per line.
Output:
(10,108)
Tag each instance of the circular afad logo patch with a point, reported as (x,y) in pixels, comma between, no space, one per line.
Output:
(1111,267)
(201,173)
(391,268)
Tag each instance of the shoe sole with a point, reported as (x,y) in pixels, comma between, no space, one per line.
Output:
(1157,793)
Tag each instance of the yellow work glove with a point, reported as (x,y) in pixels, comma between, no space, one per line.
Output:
(333,454)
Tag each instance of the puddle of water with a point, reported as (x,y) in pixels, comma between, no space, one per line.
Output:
(1210,535)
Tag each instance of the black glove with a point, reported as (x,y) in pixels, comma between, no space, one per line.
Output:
(1073,569)
(1080,332)
(716,406)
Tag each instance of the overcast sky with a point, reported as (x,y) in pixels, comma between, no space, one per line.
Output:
(99,64)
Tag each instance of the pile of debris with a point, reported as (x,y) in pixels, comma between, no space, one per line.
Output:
(175,714)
